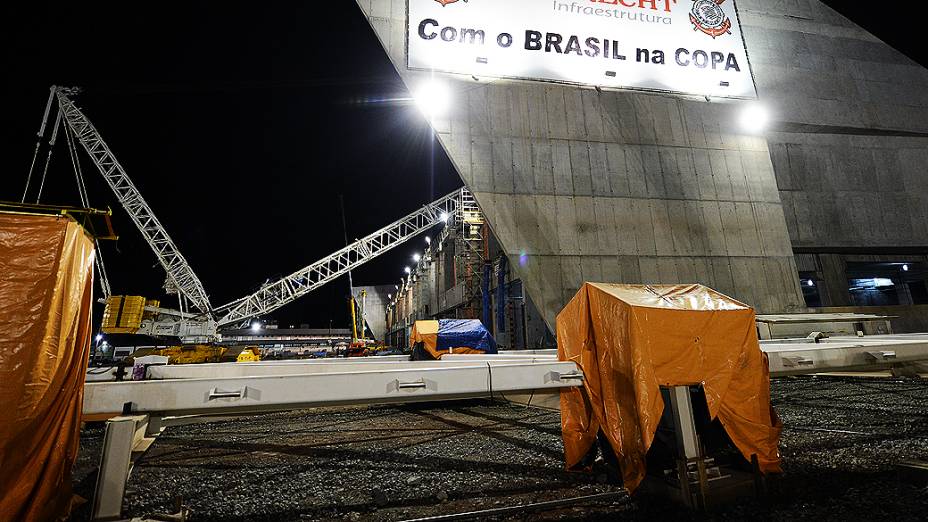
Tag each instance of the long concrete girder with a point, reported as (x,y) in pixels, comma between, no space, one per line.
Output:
(269,387)
(618,186)
(795,356)
(280,385)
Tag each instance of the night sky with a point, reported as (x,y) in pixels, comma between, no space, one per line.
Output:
(242,124)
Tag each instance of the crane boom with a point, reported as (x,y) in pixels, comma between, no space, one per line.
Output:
(271,296)
(180,275)
(292,287)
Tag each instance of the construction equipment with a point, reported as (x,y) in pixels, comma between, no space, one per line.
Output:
(124,314)
(138,315)
(198,321)
(201,353)
(180,276)
(250,354)
(290,288)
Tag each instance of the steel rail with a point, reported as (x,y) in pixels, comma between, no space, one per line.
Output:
(526,508)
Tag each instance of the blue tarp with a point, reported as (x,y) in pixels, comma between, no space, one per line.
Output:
(464,333)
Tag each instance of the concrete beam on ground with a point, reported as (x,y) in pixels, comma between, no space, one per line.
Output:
(801,356)
(844,354)
(227,370)
(307,390)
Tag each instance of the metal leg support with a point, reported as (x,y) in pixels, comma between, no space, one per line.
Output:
(688,446)
(125,436)
(681,406)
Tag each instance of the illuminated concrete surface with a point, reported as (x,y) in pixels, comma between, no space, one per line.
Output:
(621,186)
(375,301)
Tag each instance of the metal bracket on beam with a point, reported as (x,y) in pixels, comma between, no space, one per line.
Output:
(414,385)
(815,337)
(882,356)
(559,377)
(215,393)
(798,361)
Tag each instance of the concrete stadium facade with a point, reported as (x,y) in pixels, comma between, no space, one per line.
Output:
(582,184)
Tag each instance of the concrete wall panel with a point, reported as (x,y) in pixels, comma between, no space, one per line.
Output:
(844,183)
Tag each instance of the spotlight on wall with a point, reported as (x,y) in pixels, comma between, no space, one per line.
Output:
(433,98)
(428,240)
(443,217)
(255,326)
(754,118)
(407,270)
(416,257)
(905,268)
(810,283)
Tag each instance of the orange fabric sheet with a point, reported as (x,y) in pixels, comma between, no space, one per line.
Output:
(630,340)
(46,276)
(425,332)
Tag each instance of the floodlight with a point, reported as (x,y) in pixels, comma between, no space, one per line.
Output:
(433,98)
(754,118)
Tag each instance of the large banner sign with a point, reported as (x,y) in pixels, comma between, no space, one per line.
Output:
(682,46)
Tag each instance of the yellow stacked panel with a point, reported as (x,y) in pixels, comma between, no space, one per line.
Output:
(123,314)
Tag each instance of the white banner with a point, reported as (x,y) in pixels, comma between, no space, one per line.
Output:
(681,46)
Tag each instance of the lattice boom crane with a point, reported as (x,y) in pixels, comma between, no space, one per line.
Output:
(292,287)
(180,275)
(193,327)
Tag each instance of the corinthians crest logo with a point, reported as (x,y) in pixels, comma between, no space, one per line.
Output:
(707,16)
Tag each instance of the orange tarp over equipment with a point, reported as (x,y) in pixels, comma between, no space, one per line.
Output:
(46,275)
(458,336)
(630,340)
(425,332)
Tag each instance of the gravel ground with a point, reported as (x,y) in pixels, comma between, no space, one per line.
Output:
(841,440)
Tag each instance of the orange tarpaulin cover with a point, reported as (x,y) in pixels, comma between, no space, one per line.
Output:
(426,332)
(46,275)
(630,340)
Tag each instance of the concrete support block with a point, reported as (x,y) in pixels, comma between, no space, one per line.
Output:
(123,436)
(834,273)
